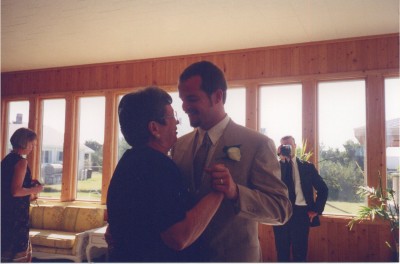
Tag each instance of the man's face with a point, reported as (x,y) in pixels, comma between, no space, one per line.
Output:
(196,103)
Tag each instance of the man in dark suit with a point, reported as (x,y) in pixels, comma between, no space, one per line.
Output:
(239,162)
(301,178)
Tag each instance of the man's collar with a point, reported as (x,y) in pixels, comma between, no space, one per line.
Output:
(216,131)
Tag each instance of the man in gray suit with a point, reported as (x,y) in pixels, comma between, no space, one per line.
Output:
(237,161)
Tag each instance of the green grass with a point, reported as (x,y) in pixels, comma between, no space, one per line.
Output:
(342,208)
(87,190)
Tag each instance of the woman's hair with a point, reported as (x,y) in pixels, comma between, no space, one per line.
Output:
(21,137)
(137,109)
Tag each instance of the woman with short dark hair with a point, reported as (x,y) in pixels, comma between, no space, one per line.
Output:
(16,188)
(151,216)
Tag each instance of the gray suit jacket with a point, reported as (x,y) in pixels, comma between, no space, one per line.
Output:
(232,234)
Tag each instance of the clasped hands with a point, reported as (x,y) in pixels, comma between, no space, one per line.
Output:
(221,180)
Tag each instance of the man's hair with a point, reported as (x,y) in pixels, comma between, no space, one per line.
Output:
(212,78)
(21,137)
(137,109)
(288,137)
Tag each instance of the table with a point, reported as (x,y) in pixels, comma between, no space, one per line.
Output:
(97,242)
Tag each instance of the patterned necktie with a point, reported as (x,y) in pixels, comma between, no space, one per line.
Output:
(289,181)
(199,160)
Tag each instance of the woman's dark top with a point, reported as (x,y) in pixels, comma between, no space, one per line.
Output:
(14,210)
(146,196)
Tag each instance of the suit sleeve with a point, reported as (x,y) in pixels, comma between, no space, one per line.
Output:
(321,190)
(265,198)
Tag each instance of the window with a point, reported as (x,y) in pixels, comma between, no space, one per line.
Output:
(281,112)
(392,117)
(18,116)
(90,148)
(60,156)
(52,142)
(235,105)
(46,158)
(122,144)
(342,120)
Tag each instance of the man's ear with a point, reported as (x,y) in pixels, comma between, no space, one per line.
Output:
(219,95)
(154,129)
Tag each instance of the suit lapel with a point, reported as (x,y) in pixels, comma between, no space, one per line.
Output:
(219,156)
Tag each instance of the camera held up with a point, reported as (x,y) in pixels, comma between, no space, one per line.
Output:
(285,150)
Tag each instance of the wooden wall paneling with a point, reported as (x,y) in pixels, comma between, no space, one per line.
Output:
(65,83)
(268,62)
(350,241)
(116,76)
(379,52)
(382,53)
(95,77)
(362,239)
(318,242)
(363,50)
(70,150)
(110,145)
(393,50)
(322,66)
(384,234)
(106,76)
(83,80)
(307,57)
(142,74)
(341,243)
(236,66)
(285,61)
(159,72)
(255,65)
(373,248)
(267,243)
(174,68)
(350,56)
(50,82)
(316,56)
(333,57)
(127,78)
(370,51)
(295,60)
(36,78)
(275,64)
(334,242)
(57,80)
(375,130)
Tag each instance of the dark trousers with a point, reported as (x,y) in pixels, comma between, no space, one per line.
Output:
(294,234)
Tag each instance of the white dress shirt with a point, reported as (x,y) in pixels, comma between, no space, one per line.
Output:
(297,185)
(215,134)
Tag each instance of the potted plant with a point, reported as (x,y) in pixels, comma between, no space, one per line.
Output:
(384,206)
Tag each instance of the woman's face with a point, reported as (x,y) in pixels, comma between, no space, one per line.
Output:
(168,131)
(29,147)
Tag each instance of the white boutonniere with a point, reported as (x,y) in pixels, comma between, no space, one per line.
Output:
(233,152)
